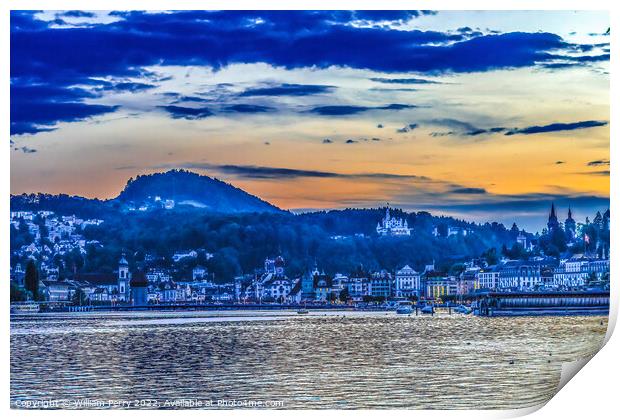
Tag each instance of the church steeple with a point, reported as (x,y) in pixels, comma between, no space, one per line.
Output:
(552,223)
(552,212)
(570,226)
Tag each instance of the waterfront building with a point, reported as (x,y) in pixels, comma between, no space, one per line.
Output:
(272,284)
(57,291)
(124,277)
(307,285)
(488,278)
(168,292)
(577,271)
(358,284)
(407,282)
(439,284)
(468,281)
(339,282)
(322,286)
(519,275)
(392,226)
(380,285)
(104,286)
(295,294)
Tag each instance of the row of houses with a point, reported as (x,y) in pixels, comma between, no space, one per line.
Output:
(271,284)
(576,272)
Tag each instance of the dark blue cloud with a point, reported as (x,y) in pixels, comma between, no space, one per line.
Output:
(596,173)
(270,172)
(600,162)
(38,108)
(178,112)
(407,128)
(556,127)
(407,81)
(26,150)
(77,14)
(248,109)
(290,39)
(467,129)
(475,191)
(288,90)
(336,110)
(479,131)
(66,57)
(128,86)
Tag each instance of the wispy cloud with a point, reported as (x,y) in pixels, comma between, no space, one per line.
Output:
(467,129)
(405,81)
(288,90)
(407,128)
(248,109)
(339,110)
(178,112)
(556,127)
(600,162)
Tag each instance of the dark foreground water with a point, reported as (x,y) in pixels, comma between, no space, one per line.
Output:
(281,359)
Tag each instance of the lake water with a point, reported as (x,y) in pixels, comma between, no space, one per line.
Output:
(281,359)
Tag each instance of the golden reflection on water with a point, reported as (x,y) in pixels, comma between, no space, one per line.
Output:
(322,360)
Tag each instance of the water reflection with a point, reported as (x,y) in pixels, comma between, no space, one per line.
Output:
(324,360)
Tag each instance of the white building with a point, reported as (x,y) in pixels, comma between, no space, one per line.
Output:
(391,226)
(488,278)
(407,282)
(576,271)
(179,255)
(519,275)
(199,273)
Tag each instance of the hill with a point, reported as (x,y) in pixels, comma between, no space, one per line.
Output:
(184,188)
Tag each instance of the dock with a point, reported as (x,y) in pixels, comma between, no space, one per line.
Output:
(543,303)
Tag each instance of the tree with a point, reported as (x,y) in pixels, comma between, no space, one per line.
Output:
(514,231)
(490,255)
(79,297)
(344,295)
(18,294)
(31,280)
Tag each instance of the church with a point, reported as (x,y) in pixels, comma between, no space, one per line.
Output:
(392,226)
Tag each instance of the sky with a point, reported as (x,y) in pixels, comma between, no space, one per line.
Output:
(484,116)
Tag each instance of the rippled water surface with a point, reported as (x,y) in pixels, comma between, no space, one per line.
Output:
(319,360)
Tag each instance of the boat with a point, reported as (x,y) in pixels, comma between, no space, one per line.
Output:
(427,309)
(462,309)
(302,311)
(403,307)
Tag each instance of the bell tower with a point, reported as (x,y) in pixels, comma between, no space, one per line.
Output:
(123,279)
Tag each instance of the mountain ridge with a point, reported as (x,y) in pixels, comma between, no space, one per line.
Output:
(186,189)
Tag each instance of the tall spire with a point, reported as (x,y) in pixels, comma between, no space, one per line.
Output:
(552,223)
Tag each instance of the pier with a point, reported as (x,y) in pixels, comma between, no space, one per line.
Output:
(543,303)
